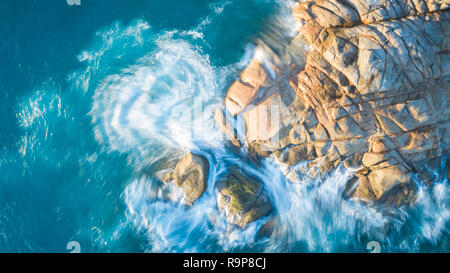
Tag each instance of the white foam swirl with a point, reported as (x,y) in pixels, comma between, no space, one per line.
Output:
(163,99)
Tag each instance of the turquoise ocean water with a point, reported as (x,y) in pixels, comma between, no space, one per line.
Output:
(87,94)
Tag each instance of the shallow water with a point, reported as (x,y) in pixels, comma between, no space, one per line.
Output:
(99,99)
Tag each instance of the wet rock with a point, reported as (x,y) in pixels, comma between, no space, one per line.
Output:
(295,154)
(191,176)
(402,195)
(242,198)
(267,229)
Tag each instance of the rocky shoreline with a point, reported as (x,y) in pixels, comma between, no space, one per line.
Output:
(373,96)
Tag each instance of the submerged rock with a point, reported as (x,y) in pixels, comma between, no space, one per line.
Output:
(267,229)
(374,94)
(242,198)
(191,176)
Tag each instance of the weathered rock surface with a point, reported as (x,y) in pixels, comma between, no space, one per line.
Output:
(374,94)
(191,176)
(254,81)
(242,198)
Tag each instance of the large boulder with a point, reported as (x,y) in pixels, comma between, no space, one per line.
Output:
(191,176)
(242,198)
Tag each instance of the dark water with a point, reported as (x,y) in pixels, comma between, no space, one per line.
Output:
(86,111)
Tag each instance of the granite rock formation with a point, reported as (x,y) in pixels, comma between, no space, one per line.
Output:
(373,95)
